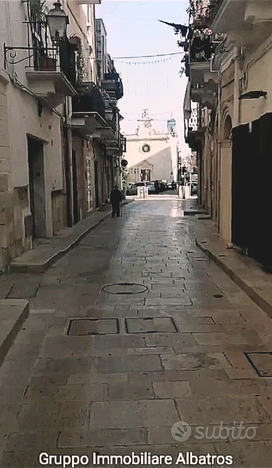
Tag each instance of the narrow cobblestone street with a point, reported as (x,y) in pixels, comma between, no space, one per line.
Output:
(110,369)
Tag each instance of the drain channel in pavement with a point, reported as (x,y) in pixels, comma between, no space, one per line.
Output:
(261,362)
(81,327)
(125,288)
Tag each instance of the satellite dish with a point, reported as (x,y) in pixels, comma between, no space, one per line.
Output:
(124,163)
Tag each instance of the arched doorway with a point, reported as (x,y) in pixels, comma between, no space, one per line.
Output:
(226,180)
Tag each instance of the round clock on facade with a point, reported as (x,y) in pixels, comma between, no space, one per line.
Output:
(146,148)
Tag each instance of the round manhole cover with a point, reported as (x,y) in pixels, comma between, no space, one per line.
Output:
(125,288)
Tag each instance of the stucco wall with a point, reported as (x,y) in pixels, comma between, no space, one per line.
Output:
(58,211)
(13,202)
(258,69)
(162,154)
(162,164)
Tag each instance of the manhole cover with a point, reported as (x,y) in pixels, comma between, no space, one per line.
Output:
(93,327)
(125,288)
(151,325)
(262,363)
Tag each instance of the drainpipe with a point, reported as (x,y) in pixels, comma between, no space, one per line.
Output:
(219,146)
(237,76)
(68,161)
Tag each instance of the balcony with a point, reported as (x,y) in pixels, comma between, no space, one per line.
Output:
(113,143)
(50,86)
(203,79)
(89,99)
(89,113)
(205,95)
(113,83)
(89,124)
(247,23)
(201,73)
(193,131)
(49,77)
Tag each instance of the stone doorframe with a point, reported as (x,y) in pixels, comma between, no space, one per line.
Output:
(225,179)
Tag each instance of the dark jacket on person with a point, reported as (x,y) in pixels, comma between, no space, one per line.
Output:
(116,197)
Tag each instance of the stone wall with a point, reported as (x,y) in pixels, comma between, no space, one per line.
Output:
(15,236)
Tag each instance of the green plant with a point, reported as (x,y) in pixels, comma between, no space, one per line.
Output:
(81,67)
(38,9)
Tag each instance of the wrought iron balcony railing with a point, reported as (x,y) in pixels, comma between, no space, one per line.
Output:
(113,82)
(89,99)
(213,9)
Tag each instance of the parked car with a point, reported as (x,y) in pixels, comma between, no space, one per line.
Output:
(160,185)
(194,188)
(151,187)
(134,188)
(194,184)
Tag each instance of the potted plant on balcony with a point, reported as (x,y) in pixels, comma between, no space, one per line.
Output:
(47,63)
(75,41)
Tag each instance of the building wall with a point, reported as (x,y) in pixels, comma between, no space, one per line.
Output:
(59,207)
(20,119)
(162,154)
(257,69)
(13,201)
(162,164)
(236,76)
(78,26)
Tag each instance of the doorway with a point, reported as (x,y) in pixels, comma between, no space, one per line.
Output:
(36,186)
(251,174)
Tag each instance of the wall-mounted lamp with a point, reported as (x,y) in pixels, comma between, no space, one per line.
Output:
(253,95)
(57,22)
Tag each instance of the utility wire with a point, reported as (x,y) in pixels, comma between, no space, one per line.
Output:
(147,56)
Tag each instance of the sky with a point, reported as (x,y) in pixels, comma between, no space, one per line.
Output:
(153,83)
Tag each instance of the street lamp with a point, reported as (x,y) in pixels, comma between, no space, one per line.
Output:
(57,22)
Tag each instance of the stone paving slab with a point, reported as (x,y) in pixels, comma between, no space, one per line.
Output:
(210,411)
(13,313)
(97,438)
(130,414)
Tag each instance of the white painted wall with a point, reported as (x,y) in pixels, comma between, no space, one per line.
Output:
(162,154)
(257,69)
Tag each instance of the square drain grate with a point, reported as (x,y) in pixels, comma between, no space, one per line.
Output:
(261,362)
(151,325)
(81,327)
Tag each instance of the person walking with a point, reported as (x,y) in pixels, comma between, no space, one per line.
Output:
(115,199)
